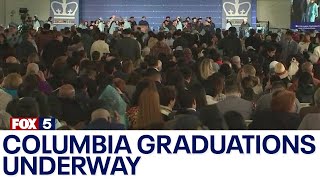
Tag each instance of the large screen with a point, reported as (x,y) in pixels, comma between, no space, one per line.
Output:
(305,14)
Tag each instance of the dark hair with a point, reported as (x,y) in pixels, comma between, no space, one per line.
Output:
(24,107)
(76,39)
(199,93)
(161,36)
(134,78)
(95,55)
(252,32)
(151,60)
(270,48)
(102,36)
(46,26)
(226,70)
(186,72)
(234,120)
(186,99)
(167,94)
(216,84)
(305,79)
(231,85)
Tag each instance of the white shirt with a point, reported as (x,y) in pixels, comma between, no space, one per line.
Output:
(303,46)
(100,46)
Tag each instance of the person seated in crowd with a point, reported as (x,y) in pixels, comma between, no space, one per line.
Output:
(167,102)
(147,112)
(234,102)
(306,88)
(234,120)
(101,120)
(72,112)
(283,114)
(11,84)
(100,46)
(215,89)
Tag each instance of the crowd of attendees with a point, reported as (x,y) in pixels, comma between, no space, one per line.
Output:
(174,80)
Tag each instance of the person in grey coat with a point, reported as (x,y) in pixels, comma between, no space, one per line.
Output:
(234,102)
(289,46)
(264,102)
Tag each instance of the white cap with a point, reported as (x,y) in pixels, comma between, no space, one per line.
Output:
(273,64)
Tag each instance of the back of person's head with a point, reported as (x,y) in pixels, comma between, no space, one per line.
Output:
(316,97)
(278,85)
(216,84)
(274,36)
(283,101)
(184,122)
(248,70)
(46,26)
(235,120)
(161,36)
(95,56)
(12,60)
(307,67)
(226,70)
(199,93)
(233,30)
(167,96)
(305,79)
(76,39)
(231,86)
(252,32)
(33,58)
(25,107)
(186,72)
(32,68)
(149,108)
(247,84)
(127,67)
(187,100)
(12,81)
(66,91)
(206,68)
(101,114)
(30,83)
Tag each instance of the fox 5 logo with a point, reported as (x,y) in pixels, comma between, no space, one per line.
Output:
(32,123)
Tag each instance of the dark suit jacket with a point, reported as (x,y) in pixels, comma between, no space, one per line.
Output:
(267,120)
(128,48)
(212,118)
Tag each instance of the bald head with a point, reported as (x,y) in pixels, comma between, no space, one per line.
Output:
(67,91)
(100,114)
(12,60)
(32,68)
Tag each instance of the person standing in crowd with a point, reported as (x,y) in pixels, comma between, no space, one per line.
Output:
(244,28)
(132,22)
(305,43)
(312,12)
(231,44)
(289,46)
(128,48)
(253,41)
(228,24)
(144,21)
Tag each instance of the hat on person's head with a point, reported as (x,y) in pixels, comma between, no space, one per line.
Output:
(179,48)
(281,71)
(273,65)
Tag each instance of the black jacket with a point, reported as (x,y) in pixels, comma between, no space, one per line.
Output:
(128,48)
(267,120)
(212,118)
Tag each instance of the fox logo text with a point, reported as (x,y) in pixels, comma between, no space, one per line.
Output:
(32,123)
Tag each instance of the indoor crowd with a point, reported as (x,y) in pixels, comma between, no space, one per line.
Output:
(172,80)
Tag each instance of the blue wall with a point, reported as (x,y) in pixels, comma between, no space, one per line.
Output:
(155,10)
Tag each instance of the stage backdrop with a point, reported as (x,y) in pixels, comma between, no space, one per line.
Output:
(64,12)
(157,10)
